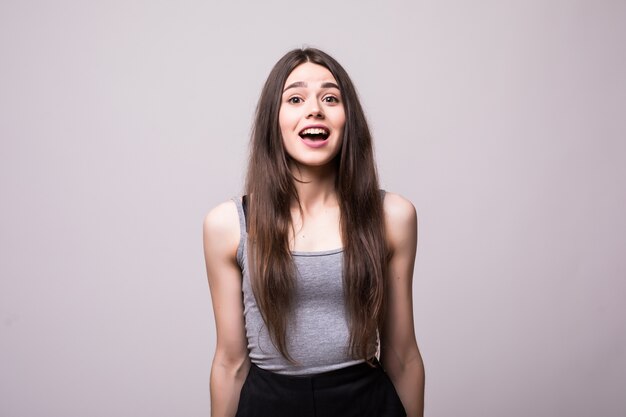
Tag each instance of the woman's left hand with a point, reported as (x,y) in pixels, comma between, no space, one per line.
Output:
(399,354)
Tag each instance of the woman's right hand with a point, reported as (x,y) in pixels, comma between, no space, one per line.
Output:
(231,362)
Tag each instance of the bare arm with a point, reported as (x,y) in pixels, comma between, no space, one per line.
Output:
(230,363)
(399,353)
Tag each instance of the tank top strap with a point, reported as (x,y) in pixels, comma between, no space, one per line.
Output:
(382,194)
(243,234)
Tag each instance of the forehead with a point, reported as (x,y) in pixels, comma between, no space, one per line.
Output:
(310,73)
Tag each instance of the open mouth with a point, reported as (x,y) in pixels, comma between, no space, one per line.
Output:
(315,133)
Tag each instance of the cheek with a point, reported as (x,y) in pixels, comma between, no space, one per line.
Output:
(340,119)
(285,119)
(281,119)
(340,126)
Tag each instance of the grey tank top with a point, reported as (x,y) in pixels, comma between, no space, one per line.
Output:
(317,331)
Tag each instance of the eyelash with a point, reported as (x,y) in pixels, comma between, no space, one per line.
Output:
(333,99)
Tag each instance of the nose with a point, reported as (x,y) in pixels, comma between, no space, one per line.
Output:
(315,110)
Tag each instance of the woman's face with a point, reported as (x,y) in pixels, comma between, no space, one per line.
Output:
(311,115)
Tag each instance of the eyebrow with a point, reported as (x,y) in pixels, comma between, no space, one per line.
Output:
(298,84)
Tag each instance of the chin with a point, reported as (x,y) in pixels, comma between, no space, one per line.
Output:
(316,163)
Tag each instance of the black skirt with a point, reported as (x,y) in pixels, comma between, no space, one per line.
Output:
(361,390)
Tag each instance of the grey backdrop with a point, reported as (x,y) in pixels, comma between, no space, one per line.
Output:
(124,122)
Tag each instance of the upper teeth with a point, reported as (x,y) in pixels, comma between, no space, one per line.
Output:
(314,131)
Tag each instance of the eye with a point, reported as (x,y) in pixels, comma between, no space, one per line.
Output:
(294,100)
(330,99)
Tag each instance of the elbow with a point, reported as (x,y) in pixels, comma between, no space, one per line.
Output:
(398,361)
(413,363)
(236,367)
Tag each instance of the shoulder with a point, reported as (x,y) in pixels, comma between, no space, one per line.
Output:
(400,220)
(222,219)
(221,228)
(398,210)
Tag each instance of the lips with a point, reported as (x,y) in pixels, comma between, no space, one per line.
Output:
(314,133)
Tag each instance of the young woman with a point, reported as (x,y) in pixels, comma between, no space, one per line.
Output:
(311,270)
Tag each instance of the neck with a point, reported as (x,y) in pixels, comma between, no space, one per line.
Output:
(315,185)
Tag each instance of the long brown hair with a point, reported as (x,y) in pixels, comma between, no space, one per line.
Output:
(270,187)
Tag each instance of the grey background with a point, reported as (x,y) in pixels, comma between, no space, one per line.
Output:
(123,122)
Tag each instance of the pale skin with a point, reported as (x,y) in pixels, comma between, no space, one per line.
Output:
(316,228)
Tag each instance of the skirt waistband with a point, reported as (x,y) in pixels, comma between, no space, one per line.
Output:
(336,377)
